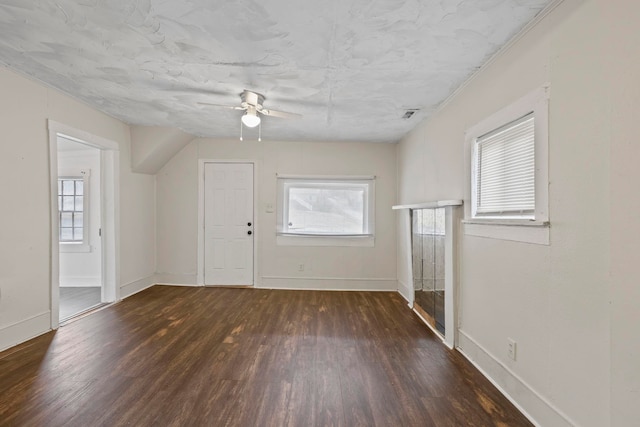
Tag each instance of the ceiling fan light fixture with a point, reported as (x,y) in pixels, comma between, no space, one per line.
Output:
(250,119)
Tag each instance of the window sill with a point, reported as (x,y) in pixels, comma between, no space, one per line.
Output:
(535,232)
(74,248)
(507,222)
(310,240)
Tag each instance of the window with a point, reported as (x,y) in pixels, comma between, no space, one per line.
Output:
(73,211)
(508,163)
(505,171)
(326,206)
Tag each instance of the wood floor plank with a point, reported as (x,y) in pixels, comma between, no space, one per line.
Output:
(178,356)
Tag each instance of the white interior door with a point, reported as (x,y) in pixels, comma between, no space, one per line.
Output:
(228,224)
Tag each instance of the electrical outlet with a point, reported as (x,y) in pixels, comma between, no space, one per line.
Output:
(300,267)
(511,348)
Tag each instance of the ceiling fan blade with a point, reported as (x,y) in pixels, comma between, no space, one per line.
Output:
(280,114)
(208,104)
(198,90)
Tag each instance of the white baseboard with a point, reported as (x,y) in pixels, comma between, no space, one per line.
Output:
(137,286)
(328,283)
(531,403)
(176,279)
(80,282)
(186,285)
(406,291)
(24,330)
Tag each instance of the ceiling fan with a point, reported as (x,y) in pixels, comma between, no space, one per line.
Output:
(252,104)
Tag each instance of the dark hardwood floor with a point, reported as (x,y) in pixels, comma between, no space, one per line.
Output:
(172,356)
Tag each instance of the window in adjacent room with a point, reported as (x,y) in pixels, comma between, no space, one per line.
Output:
(73,209)
(326,206)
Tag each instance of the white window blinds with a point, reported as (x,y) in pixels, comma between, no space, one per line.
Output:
(505,170)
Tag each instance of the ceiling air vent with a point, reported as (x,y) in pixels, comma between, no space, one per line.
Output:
(409,113)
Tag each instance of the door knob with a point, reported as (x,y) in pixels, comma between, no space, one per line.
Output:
(249,224)
(249,232)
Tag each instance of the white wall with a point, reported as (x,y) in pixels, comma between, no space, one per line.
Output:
(137,226)
(25,233)
(325,267)
(622,67)
(571,306)
(83,268)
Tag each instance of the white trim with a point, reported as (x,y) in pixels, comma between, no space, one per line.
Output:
(537,235)
(81,282)
(406,216)
(402,290)
(327,177)
(24,330)
(110,213)
(200,251)
(54,267)
(507,222)
(137,286)
(71,247)
(538,410)
(329,283)
(429,205)
(183,279)
(82,137)
(256,216)
(451,275)
(110,224)
(190,285)
(320,240)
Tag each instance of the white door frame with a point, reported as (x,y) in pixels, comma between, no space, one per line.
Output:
(256,233)
(110,212)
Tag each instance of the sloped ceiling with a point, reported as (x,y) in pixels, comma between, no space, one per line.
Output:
(350,67)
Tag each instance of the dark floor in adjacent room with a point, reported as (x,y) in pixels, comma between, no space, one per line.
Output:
(74,300)
(188,356)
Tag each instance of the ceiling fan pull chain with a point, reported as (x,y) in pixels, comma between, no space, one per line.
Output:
(240,130)
(260,132)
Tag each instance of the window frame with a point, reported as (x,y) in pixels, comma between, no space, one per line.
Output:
(285,237)
(536,103)
(78,246)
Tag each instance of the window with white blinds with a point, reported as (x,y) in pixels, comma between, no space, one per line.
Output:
(507,155)
(505,171)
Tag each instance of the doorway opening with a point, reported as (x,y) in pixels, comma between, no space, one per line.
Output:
(84,212)
(79,229)
(434,265)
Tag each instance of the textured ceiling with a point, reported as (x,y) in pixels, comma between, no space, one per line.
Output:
(350,67)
